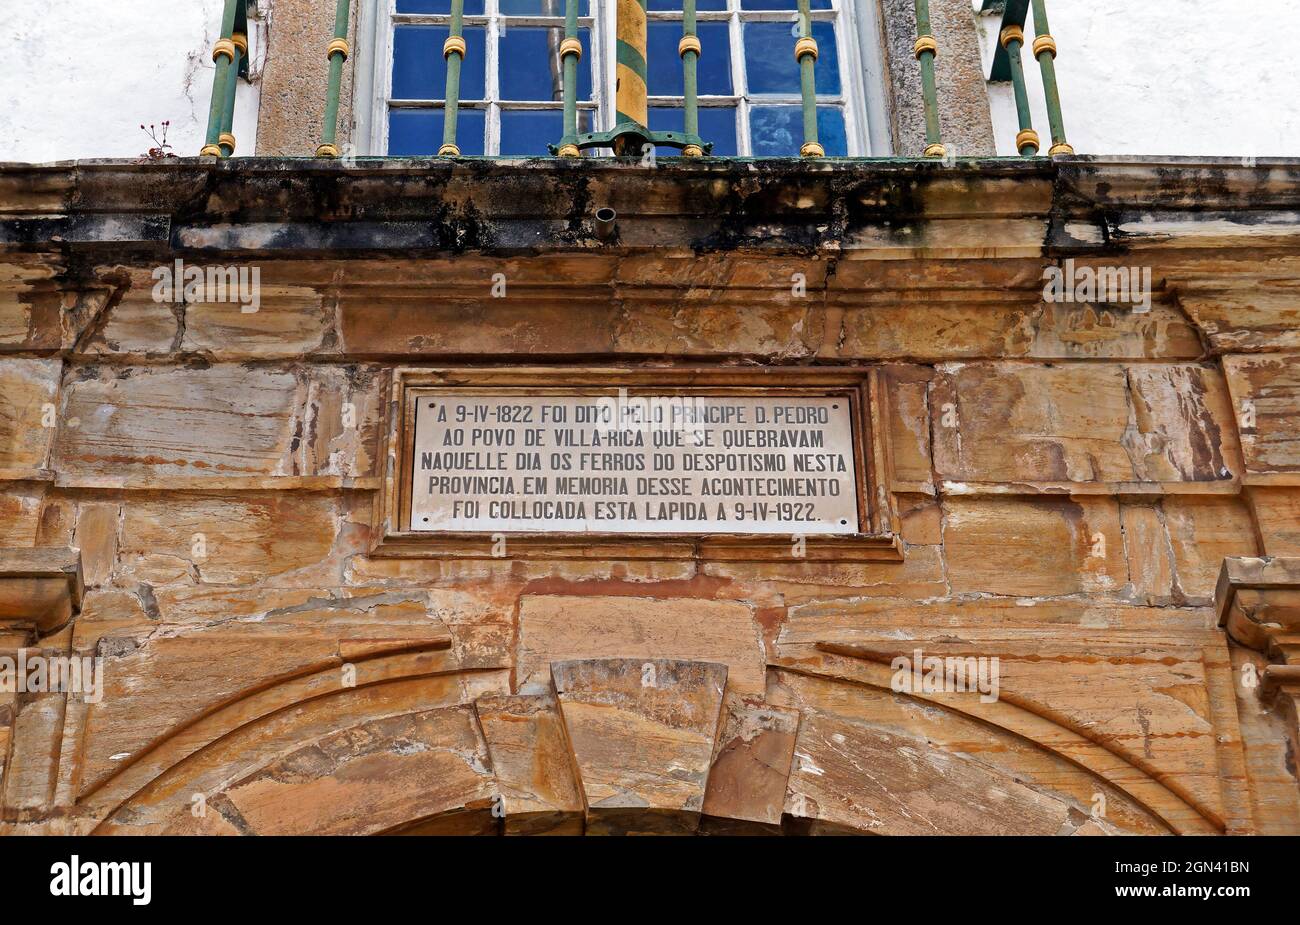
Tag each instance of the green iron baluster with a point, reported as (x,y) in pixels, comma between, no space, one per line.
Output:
(925,50)
(227,137)
(336,52)
(453,49)
(570,55)
(223,53)
(1045,52)
(805,52)
(1013,39)
(689,50)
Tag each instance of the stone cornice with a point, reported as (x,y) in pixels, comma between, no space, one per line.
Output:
(861,208)
(1258,599)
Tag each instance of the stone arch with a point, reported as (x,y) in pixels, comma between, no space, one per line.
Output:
(613,746)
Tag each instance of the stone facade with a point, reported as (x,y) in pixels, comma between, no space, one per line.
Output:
(187,492)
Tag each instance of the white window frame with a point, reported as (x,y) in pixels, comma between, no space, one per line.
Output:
(860,99)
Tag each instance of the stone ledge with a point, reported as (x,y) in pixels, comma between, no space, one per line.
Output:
(40,588)
(873,207)
(1258,600)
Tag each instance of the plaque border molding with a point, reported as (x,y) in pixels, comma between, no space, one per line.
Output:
(878,539)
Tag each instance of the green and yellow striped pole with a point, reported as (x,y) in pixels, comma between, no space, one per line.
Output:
(1013,39)
(630,94)
(336,52)
(223,54)
(1045,52)
(453,49)
(925,50)
(805,52)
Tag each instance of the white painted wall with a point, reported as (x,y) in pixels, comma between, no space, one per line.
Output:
(78,77)
(1188,77)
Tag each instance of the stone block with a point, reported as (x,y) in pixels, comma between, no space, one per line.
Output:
(553,627)
(643,733)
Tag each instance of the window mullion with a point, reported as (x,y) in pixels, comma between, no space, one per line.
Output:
(739,80)
(492,82)
(850,85)
(384,79)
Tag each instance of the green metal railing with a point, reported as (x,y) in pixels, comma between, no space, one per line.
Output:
(926,50)
(453,50)
(336,52)
(230,54)
(631,135)
(1008,66)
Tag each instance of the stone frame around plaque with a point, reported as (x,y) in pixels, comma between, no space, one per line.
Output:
(876,540)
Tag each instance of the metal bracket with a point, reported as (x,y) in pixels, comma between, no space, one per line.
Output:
(241,26)
(1014,13)
(631,138)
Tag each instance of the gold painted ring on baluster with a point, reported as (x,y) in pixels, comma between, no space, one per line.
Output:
(692,151)
(571,47)
(688,43)
(1044,43)
(327,150)
(805,46)
(568,151)
(454,43)
(925,43)
(223,47)
(1012,34)
(241,42)
(449,151)
(228,140)
(337,45)
(811,149)
(1027,137)
(1060,148)
(935,150)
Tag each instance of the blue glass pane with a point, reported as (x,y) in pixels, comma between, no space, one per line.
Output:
(472,7)
(419,71)
(717,124)
(540,7)
(713,72)
(782,4)
(675,6)
(769,57)
(777,131)
(415,132)
(530,69)
(528,131)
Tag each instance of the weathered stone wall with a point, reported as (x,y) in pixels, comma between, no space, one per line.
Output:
(292,111)
(964,121)
(1068,478)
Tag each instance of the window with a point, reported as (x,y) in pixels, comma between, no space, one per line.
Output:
(511,87)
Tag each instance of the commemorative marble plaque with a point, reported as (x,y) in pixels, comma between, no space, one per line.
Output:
(663,464)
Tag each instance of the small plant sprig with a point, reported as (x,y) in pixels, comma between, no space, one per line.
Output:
(161,149)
